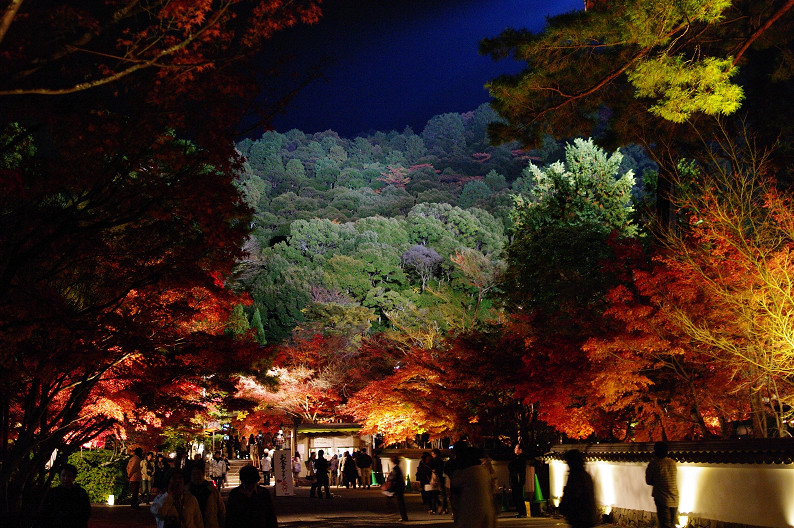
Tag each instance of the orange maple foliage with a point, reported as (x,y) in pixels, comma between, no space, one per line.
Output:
(707,321)
(93,46)
(735,252)
(395,176)
(650,372)
(411,401)
(464,385)
(309,376)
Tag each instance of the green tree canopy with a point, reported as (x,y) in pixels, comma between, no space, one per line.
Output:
(632,71)
(556,259)
(660,48)
(473,194)
(586,189)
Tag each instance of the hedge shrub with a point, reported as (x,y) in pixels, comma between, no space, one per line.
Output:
(100,475)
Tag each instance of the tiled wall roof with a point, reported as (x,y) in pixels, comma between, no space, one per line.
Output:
(752,451)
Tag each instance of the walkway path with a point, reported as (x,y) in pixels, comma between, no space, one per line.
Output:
(347,509)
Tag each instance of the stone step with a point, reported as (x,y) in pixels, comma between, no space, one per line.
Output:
(233,476)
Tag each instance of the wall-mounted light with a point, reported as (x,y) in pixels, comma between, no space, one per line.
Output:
(606,514)
(111,500)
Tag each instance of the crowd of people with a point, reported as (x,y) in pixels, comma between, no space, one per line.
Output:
(253,447)
(464,485)
(149,474)
(351,470)
(198,504)
(180,496)
(578,502)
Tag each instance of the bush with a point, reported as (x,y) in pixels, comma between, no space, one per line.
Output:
(100,474)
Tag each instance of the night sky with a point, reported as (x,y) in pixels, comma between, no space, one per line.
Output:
(400,62)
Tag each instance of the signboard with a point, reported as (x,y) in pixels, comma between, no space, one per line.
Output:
(282,471)
(322,442)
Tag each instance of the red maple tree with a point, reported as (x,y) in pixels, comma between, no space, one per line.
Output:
(306,381)
(446,390)
(118,232)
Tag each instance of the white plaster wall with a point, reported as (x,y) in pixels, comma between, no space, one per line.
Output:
(501,473)
(754,494)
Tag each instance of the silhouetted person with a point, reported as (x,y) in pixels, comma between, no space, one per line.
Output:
(451,467)
(67,505)
(518,479)
(424,475)
(249,505)
(162,472)
(236,447)
(213,510)
(349,470)
(320,477)
(578,498)
(662,474)
(334,467)
(364,464)
(437,463)
(471,485)
(396,482)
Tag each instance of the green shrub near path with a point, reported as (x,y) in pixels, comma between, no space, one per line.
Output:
(100,474)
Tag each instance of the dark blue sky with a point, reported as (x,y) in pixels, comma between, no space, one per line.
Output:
(400,62)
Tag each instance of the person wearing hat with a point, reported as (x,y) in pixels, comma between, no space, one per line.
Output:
(249,505)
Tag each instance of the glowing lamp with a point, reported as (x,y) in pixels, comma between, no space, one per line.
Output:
(111,500)
(683,519)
